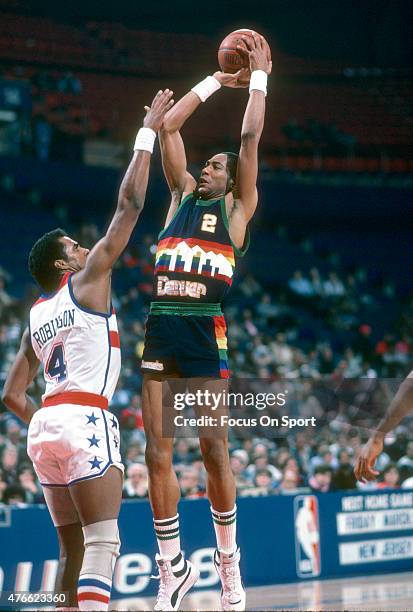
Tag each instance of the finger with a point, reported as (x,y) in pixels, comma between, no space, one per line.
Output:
(256,40)
(249,43)
(237,74)
(159,99)
(166,96)
(156,98)
(242,51)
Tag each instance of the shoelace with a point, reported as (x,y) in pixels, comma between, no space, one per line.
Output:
(232,578)
(164,577)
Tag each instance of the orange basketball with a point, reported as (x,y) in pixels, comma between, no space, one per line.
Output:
(229,59)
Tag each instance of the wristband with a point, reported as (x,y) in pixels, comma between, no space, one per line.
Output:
(258,81)
(206,88)
(145,140)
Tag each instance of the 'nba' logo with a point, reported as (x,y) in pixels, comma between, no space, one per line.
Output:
(307,536)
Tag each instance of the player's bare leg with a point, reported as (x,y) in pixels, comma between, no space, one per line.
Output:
(71,549)
(176,575)
(221,490)
(97,502)
(164,491)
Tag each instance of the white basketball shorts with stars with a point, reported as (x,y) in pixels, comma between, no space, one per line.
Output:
(70,443)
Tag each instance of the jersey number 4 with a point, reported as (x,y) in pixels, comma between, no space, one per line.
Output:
(56,365)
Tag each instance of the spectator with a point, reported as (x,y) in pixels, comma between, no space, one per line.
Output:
(3,485)
(321,480)
(264,481)
(390,478)
(27,480)
(316,282)
(333,287)
(289,483)
(239,462)
(405,463)
(300,285)
(9,461)
(189,483)
(136,483)
(14,495)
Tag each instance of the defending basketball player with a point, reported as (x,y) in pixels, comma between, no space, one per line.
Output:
(206,226)
(73,440)
(401,406)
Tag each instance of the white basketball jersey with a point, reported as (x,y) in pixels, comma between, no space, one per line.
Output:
(79,348)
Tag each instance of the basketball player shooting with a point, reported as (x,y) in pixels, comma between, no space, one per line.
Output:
(73,440)
(186,331)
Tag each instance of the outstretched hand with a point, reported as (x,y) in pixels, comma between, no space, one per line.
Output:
(155,114)
(257,53)
(364,468)
(237,79)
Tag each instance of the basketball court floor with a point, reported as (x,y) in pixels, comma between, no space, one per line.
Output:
(393,592)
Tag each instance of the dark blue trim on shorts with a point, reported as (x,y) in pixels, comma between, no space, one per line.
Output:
(44,484)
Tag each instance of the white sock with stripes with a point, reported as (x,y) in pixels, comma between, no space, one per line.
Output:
(225,525)
(167,534)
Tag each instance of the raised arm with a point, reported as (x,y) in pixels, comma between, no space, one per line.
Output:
(131,195)
(174,161)
(401,406)
(252,126)
(18,380)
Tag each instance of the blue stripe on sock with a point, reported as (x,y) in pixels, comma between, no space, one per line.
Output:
(93,583)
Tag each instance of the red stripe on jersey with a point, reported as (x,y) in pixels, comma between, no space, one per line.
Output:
(216,247)
(94,596)
(114,339)
(80,398)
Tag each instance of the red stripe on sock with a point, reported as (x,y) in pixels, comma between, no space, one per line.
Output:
(94,596)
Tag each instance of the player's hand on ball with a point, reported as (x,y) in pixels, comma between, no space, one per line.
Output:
(237,79)
(257,53)
(155,114)
(364,468)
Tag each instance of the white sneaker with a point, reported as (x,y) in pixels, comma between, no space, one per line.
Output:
(233,592)
(174,585)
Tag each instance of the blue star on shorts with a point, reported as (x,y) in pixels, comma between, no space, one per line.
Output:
(94,441)
(95,463)
(92,418)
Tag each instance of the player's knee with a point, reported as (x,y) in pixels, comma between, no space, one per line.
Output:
(102,546)
(215,455)
(157,460)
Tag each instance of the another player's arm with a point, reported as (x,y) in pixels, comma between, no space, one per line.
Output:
(401,406)
(19,378)
(174,162)
(91,285)
(246,197)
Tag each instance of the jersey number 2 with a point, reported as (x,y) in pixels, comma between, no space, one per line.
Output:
(208,223)
(56,366)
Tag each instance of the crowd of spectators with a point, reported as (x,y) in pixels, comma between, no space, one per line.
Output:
(269,344)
